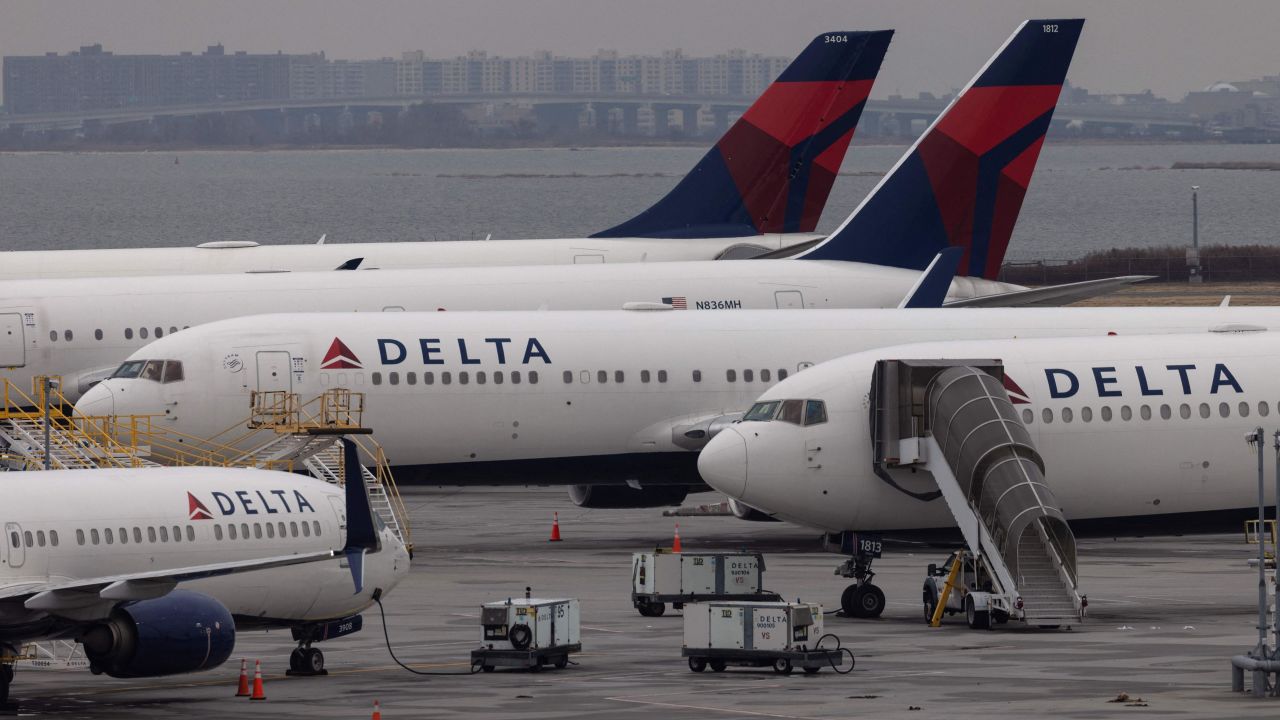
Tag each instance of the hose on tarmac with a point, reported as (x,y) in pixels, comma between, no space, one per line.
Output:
(387,636)
(839,649)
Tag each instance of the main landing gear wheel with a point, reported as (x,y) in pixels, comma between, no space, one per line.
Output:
(862,601)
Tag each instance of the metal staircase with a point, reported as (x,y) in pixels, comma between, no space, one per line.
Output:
(326,465)
(282,433)
(954,419)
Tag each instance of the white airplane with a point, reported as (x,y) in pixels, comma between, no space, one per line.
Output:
(613,403)
(1134,433)
(154,570)
(80,331)
(762,187)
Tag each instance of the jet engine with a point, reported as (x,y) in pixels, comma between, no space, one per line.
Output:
(181,632)
(743,511)
(614,497)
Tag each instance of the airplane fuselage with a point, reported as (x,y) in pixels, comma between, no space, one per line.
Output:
(569,397)
(241,257)
(1130,429)
(81,330)
(67,525)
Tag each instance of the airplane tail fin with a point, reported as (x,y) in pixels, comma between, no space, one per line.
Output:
(362,532)
(961,184)
(774,168)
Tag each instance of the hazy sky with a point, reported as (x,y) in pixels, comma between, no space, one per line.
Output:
(1168,46)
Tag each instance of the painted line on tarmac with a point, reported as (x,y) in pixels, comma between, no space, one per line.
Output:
(710,708)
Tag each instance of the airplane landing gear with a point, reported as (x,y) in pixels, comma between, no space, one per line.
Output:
(306,660)
(863,599)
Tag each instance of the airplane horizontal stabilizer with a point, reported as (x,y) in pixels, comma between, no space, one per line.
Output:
(1053,295)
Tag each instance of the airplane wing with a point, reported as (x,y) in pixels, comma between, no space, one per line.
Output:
(1052,295)
(55,596)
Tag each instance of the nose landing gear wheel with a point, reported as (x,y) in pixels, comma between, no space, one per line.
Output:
(862,601)
(306,661)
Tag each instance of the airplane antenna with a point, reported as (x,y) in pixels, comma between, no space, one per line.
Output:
(321,240)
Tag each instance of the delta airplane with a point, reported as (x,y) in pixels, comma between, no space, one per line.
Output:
(614,403)
(762,187)
(154,570)
(81,331)
(1136,433)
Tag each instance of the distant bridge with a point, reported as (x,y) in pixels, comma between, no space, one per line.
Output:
(719,105)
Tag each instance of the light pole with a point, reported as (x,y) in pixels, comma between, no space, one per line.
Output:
(1193,255)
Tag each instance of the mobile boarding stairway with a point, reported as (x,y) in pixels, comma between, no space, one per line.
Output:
(281,433)
(955,420)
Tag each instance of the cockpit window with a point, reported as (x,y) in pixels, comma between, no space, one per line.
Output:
(762,411)
(815,412)
(153,370)
(129,369)
(172,371)
(791,410)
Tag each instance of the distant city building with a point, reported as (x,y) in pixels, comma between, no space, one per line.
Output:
(94,79)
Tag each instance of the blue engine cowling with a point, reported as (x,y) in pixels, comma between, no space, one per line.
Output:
(181,632)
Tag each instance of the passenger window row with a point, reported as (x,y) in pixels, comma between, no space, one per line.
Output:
(268,530)
(1147,412)
(32,539)
(111,536)
(143,333)
(446,377)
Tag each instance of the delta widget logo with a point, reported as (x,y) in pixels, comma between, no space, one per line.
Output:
(1017,395)
(196,509)
(340,357)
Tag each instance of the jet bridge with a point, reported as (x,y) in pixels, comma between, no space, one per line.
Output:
(955,420)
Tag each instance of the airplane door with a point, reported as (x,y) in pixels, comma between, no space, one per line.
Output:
(13,538)
(789,299)
(273,371)
(584,259)
(340,510)
(13,344)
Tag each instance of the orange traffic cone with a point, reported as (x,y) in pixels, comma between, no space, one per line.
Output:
(377,710)
(258,694)
(243,689)
(675,545)
(555,528)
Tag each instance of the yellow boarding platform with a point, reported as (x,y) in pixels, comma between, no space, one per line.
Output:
(1252,536)
(281,432)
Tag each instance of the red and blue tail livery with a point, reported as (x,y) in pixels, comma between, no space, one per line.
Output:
(962,183)
(774,168)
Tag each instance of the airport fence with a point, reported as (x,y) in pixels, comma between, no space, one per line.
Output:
(1247,263)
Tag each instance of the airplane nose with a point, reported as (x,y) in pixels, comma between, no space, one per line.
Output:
(723,463)
(98,401)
